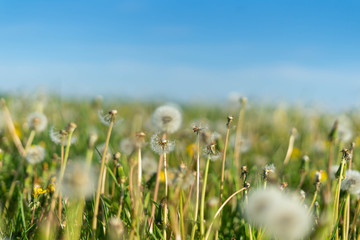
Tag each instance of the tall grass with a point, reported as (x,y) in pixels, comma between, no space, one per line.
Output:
(185,193)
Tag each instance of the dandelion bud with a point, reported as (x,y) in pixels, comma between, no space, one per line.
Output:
(346,154)
(71,127)
(244,170)
(317,176)
(243,100)
(120,173)
(229,118)
(117,229)
(304,167)
(116,156)
(333,132)
(283,185)
(113,112)
(92,140)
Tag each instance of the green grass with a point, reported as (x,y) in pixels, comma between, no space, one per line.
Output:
(266,129)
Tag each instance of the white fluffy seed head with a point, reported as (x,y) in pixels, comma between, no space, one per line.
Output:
(161,146)
(289,220)
(35,154)
(37,121)
(351,183)
(127,146)
(60,137)
(167,118)
(282,216)
(79,180)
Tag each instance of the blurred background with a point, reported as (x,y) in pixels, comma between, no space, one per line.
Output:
(207,51)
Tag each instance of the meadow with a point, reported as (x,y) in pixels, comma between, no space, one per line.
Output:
(95,169)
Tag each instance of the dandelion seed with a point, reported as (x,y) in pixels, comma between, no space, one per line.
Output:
(117,229)
(79,180)
(289,220)
(100,149)
(183,177)
(167,118)
(333,171)
(161,146)
(278,213)
(211,152)
(260,203)
(37,121)
(35,154)
(149,165)
(127,146)
(60,137)
(106,118)
(351,183)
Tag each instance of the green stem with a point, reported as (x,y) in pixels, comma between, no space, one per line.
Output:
(98,191)
(345,226)
(202,204)
(219,210)
(337,197)
(197,187)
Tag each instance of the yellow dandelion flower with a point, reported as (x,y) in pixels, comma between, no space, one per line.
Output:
(18,129)
(37,191)
(43,144)
(190,149)
(357,141)
(170,175)
(296,153)
(323,175)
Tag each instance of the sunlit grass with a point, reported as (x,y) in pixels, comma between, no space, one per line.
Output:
(154,171)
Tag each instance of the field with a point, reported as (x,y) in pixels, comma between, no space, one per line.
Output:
(95,169)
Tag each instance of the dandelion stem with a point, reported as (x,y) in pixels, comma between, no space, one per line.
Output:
(197,186)
(237,153)
(290,147)
(166,196)
(313,200)
(30,140)
(103,157)
(61,166)
(345,225)
(223,167)
(202,204)
(219,210)
(337,196)
(353,225)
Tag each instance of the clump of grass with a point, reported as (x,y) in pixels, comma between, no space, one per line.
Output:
(53,186)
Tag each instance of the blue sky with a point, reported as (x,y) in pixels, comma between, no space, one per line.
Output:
(184,50)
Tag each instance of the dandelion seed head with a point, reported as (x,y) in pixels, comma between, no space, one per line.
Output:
(211,152)
(351,183)
(79,180)
(160,145)
(280,214)
(117,229)
(260,203)
(167,118)
(290,220)
(100,150)
(333,171)
(60,137)
(35,154)
(183,177)
(106,118)
(149,165)
(37,121)
(127,146)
